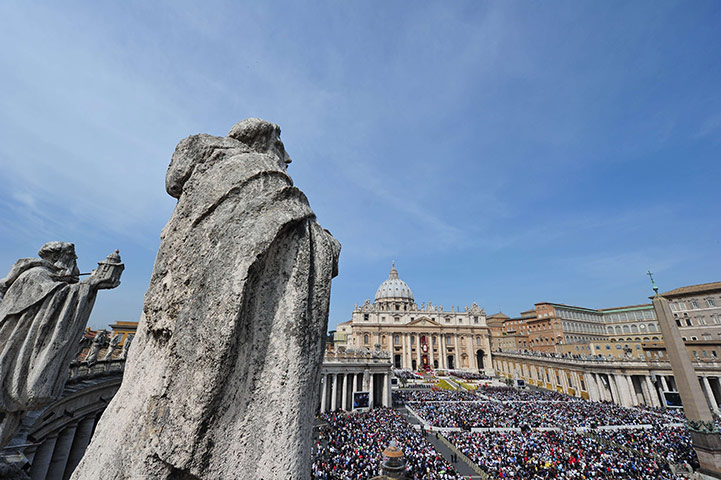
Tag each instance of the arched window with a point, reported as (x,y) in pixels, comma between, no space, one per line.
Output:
(634,328)
(626,329)
(366,339)
(610,330)
(651,327)
(478,341)
(396,339)
(618,330)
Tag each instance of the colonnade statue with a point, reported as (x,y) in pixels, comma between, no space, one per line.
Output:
(44,309)
(222,380)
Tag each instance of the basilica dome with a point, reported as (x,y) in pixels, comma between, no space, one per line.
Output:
(394,288)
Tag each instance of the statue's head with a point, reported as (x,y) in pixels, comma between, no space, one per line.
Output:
(263,137)
(62,255)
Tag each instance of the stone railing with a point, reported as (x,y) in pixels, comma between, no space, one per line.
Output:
(80,370)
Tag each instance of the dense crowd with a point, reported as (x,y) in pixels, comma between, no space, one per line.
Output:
(555,455)
(672,444)
(405,374)
(542,414)
(462,374)
(350,447)
(505,394)
(437,395)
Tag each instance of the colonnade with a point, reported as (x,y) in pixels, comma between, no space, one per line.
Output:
(57,454)
(612,385)
(338,389)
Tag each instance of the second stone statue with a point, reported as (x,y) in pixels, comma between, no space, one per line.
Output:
(223,378)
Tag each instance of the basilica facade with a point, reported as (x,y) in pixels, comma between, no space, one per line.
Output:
(418,338)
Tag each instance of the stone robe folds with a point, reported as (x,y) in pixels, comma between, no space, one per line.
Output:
(222,379)
(41,320)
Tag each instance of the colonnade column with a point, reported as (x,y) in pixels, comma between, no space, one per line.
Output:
(652,391)
(334,394)
(354,388)
(622,389)
(323,394)
(615,396)
(42,458)
(344,404)
(371,390)
(664,384)
(387,395)
(653,396)
(633,398)
(80,442)
(61,452)
(592,395)
(709,395)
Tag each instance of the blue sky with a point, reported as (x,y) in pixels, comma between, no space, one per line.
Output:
(500,152)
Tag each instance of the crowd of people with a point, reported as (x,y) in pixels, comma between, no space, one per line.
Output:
(505,394)
(566,415)
(672,444)
(464,375)
(556,455)
(350,447)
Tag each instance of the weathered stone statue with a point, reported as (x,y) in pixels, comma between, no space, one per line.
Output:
(99,342)
(112,346)
(223,379)
(43,311)
(126,346)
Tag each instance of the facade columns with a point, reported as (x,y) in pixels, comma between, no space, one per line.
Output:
(442,351)
(456,353)
(408,355)
(431,354)
(344,404)
(664,384)
(61,453)
(418,351)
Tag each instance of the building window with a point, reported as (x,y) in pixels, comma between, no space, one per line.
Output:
(694,304)
(475,319)
(710,302)
(396,339)
(366,316)
(366,339)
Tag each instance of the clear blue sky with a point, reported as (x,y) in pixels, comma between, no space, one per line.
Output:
(500,152)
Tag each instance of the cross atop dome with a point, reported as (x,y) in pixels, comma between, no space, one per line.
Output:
(394,272)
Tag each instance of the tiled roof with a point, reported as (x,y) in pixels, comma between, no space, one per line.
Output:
(700,288)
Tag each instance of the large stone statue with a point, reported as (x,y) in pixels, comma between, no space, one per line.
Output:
(43,312)
(223,378)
